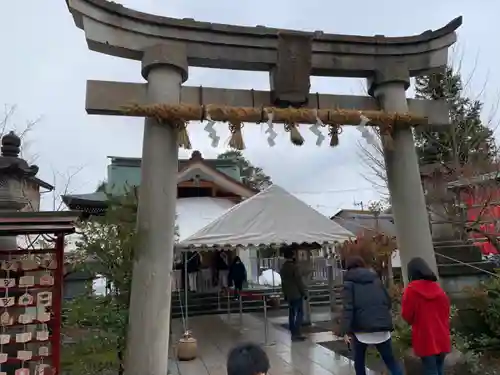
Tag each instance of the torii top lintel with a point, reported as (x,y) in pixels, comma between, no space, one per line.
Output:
(115,30)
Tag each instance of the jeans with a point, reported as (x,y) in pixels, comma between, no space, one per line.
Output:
(295,316)
(238,287)
(433,365)
(385,350)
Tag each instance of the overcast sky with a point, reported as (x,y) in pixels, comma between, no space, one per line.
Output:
(45,65)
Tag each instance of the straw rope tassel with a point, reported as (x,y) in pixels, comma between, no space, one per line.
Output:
(295,136)
(236,141)
(387,130)
(334,131)
(387,139)
(182,135)
(168,115)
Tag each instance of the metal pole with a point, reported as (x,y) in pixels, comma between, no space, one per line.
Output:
(218,299)
(265,319)
(274,265)
(228,305)
(186,307)
(241,310)
(331,289)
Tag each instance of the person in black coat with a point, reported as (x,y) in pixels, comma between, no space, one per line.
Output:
(219,269)
(237,275)
(367,318)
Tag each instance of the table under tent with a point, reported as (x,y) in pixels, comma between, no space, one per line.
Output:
(272,218)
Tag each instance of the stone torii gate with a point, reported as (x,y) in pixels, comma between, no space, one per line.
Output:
(166,48)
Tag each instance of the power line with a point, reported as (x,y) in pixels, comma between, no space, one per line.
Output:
(359,204)
(331,191)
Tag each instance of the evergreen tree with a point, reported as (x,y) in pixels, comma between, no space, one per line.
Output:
(253,177)
(467,141)
(97,324)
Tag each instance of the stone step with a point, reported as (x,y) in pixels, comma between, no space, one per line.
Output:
(223,300)
(312,289)
(213,298)
(246,308)
(195,304)
(208,303)
(457,251)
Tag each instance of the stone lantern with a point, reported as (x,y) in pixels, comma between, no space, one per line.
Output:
(13,174)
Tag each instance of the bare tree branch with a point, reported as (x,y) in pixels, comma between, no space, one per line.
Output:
(470,154)
(7,123)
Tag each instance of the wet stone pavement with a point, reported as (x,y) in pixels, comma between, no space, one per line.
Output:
(217,334)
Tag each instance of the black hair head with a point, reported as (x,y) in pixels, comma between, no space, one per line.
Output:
(355,262)
(247,359)
(288,253)
(418,269)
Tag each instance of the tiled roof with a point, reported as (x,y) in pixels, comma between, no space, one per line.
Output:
(98,196)
(357,221)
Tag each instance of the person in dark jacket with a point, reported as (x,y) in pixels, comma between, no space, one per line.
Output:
(220,268)
(294,292)
(367,318)
(426,307)
(237,276)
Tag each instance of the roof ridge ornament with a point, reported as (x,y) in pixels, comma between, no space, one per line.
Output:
(196,155)
(10,162)
(11,145)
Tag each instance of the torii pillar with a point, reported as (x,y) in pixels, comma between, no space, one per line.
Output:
(165,68)
(414,237)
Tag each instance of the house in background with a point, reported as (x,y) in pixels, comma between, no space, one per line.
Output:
(33,189)
(460,262)
(206,189)
(359,221)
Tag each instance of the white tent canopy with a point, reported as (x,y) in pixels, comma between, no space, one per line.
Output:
(272,217)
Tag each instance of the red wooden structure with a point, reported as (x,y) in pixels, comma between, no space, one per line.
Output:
(31,291)
(483,207)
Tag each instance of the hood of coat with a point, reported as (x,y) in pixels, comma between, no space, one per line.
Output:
(427,289)
(360,276)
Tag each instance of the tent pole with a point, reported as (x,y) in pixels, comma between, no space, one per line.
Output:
(228,304)
(274,266)
(241,310)
(186,308)
(218,299)
(265,320)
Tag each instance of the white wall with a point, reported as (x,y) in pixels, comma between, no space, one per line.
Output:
(195,213)
(396,260)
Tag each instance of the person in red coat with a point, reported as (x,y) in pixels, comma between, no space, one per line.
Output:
(426,307)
